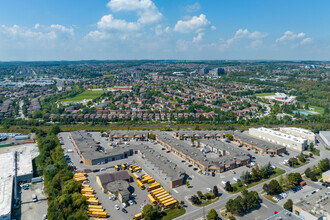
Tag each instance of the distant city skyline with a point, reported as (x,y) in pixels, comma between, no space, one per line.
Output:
(42,30)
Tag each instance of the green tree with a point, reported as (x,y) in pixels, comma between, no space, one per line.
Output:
(212,215)
(301,158)
(274,187)
(294,179)
(288,205)
(149,212)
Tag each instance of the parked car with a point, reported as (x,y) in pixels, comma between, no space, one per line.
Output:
(168,151)
(124,204)
(34,198)
(131,202)
(117,207)
(124,210)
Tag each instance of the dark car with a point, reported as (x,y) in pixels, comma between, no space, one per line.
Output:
(213,174)
(168,151)
(124,210)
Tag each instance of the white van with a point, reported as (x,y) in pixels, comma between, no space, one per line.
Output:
(69,151)
(223,182)
(236,179)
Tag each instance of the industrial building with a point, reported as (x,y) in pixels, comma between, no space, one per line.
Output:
(313,207)
(119,188)
(299,132)
(195,156)
(325,136)
(127,135)
(11,163)
(242,139)
(166,169)
(326,176)
(105,178)
(92,153)
(291,142)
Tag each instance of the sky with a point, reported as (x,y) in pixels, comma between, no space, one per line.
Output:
(41,30)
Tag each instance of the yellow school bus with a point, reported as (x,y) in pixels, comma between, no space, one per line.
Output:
(152,180)
(152,187)
(140,184)
(170,204)
(152,200)
(163,203)
(123,166)
(135,176)
(154,192)
(116,167)
(137,216)
(161,200)
(99,214)
(160,194)
(95,207)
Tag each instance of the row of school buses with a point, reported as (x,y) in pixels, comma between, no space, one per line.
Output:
(93,208)
(157,195)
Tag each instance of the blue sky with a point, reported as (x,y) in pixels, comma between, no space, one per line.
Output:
(164,29)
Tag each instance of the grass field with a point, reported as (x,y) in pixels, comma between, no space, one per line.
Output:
(298,165)
(264,94)
(87,94)
(108,75)
(206,202)
(278,172)
(317,109)
(173,213)
(269,197)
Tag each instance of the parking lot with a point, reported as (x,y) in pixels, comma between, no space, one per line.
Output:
(31,210)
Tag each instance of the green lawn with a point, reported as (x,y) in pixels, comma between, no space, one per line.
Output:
(317,109)
(206,202)
(173,213)
(108,75)
(264,94)
(278,172)
(87,94)
(298,165)
(316,152)
(269,197)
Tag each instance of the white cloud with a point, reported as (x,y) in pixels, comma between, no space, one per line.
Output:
(194,25)
(256,38)
(38,32)
(146,11)
(108,22)
(193,8)
(159,30)
(306,41)
(198,38)
(289,35)
(240,33)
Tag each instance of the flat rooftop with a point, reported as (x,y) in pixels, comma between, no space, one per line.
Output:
(299,130)
(195,153)
(326,134)
(162,163)
(316,204)
(88,147)
(280,134)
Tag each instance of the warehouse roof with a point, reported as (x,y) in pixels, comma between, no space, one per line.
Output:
(110,177)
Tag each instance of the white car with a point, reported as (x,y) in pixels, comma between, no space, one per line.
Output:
(117,207)
(209,189)
(131,202)
(124,205)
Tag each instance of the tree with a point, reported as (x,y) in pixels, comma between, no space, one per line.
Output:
(294,179)
(228,187)
(311,147)
(254,175)
(200,195)
(56,129)
(301,158)
(230,137)
(212,215)
(194,199)
(288,205)
(265,187)
(274,187)
(309,173)
(148,212)
(215,191)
